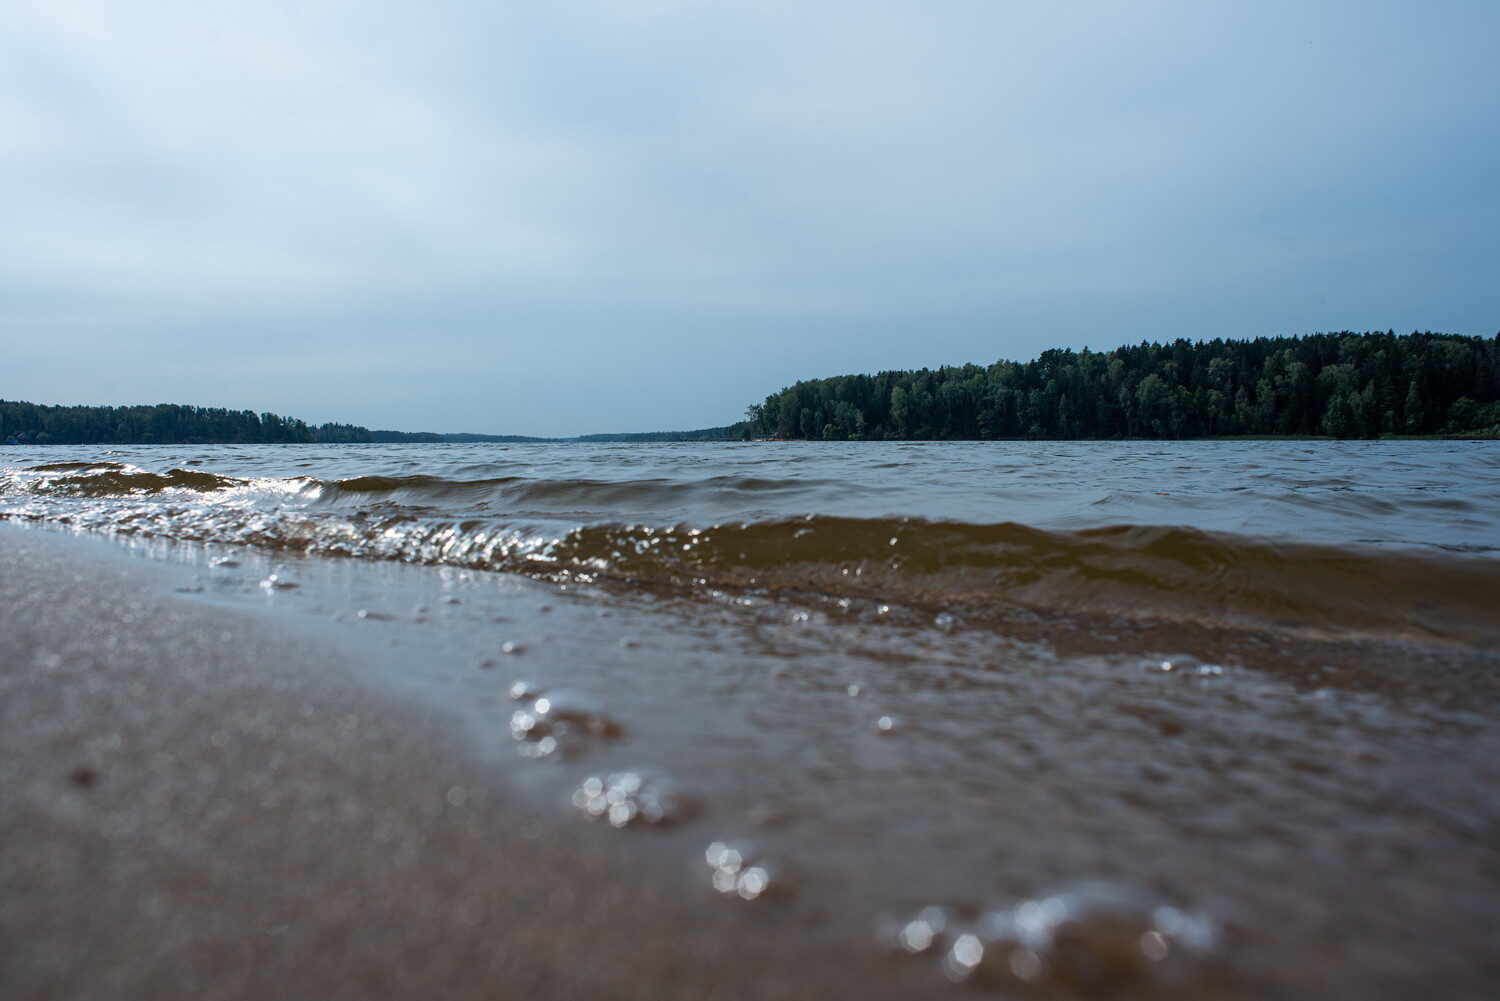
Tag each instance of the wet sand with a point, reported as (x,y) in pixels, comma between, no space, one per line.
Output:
(250,790)
(214,803)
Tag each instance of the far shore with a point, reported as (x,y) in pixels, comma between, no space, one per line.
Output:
(748,441)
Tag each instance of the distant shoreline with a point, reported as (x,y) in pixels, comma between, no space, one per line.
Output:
(599,440)
(1370,386)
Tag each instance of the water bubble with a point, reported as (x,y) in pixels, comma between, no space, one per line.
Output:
(524,691)
(1154,946)
(1194,932)
(511,647)
(729,855)
(1094,939)
(928,929)
(567,705)
(1185,665)
(739,870)
(538,749)
(558,718)
(522,723)
(886,725)
(757,880)
(994,953)
(637,795)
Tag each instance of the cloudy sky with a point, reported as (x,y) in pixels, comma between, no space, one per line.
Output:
(607,215)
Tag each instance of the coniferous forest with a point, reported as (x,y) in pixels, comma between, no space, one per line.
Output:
(1342,385)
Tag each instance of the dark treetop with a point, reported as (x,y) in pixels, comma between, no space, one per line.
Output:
(1343,385)
(165,423)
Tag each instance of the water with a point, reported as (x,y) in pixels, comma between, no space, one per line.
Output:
(1139,719)
(1337,535)
(1443,496)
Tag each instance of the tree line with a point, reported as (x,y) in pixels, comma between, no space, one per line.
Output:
(1342,385)
(729,432)
(175,424)
(165,423)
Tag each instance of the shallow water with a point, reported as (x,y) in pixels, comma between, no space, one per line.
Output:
(1440,495)
(1393,538)
(1251,685)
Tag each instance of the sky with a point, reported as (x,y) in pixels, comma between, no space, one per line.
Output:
(628,215)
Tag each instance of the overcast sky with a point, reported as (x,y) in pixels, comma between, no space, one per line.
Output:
(565,217)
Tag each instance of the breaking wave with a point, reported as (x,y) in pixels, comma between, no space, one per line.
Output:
(532,527)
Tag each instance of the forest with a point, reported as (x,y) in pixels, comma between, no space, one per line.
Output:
(165,423)
(1343,385)
(176,424)
(1340,385)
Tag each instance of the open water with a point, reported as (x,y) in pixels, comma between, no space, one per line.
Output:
(1058,719)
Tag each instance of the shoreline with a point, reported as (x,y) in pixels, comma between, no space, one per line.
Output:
(206,801)
(299,778)
(588,440)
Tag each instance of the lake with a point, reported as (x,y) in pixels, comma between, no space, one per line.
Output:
(1160,719)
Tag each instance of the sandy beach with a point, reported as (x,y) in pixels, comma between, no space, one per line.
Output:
(206,802)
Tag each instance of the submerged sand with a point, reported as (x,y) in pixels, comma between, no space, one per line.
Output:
(202,802)
(254,791)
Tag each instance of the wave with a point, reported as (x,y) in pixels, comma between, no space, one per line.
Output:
(111,479)
(572,495)
(417,491)
(975,570)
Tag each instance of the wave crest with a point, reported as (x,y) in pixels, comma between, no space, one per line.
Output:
(979,569)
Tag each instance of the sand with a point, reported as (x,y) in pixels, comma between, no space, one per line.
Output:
(216,802)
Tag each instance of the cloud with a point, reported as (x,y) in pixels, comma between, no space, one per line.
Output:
(636,179)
